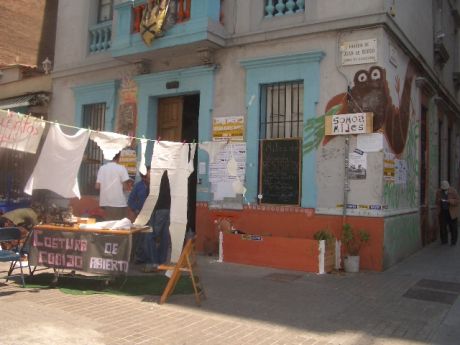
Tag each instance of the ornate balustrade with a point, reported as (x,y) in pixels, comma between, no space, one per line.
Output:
(283,7)
(100,37)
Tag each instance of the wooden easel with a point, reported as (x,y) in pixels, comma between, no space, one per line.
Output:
(186,263)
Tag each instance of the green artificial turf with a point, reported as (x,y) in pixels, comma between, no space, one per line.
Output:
(130,286)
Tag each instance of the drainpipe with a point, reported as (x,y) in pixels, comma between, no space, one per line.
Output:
(346,184)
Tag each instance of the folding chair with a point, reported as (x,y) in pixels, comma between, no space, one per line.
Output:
(13,255)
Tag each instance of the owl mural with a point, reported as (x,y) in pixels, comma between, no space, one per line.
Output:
(370,93)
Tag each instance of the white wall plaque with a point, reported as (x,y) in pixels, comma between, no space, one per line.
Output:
(359,52)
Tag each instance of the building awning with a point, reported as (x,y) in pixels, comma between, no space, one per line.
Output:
(16,102)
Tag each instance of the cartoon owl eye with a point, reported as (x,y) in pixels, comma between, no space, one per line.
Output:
(376,74)
(362,77)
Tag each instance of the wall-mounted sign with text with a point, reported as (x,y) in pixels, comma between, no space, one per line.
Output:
(228,128)
(343,124)
(359,52)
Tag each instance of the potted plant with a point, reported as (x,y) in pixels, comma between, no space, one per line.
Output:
(323,235)
(353,242)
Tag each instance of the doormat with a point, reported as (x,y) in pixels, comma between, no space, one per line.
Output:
(439,285)
(434,291)
(282,277)
(77,284)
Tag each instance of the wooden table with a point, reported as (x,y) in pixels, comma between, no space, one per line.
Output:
(99,251)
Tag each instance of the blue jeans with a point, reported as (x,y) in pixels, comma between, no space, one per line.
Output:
(158,241)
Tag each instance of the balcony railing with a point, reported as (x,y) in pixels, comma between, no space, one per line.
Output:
(100,37)
(283,7)
(182,13)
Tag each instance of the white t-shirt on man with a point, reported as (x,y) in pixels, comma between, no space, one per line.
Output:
(111,177)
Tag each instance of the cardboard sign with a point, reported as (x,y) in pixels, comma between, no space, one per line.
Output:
(89,252)
(344,124)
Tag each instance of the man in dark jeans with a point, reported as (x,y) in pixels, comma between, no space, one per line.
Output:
(136,200)
(448,206)
(155,245)
(160,221)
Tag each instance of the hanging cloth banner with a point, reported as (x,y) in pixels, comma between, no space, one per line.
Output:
(177,160)
(153,18)
(110,143)
(20,132)
(142,166)
(59,162)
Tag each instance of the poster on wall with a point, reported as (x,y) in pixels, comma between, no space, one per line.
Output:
(357,165)
(372,142)
(128,158)
(228,128)
(227,171)
(389,168)
(126,120)
(400,171)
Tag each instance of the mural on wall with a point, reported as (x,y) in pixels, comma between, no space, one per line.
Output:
(402,237)
(433,150)
(126,121)
(399,195)
(370,93)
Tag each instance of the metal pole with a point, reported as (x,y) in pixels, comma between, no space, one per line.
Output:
(346,186)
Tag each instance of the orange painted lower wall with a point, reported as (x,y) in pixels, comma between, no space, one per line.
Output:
(298,254)
(283,224)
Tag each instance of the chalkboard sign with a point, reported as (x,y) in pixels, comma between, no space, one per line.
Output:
(280,164)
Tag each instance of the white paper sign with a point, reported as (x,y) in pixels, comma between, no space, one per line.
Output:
(372,142)
(357,168)
(400,171)
(20,132)
(222,176)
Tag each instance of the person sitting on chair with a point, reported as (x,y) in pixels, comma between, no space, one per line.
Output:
(23,218)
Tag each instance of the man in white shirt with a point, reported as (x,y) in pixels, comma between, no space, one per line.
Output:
(112,181)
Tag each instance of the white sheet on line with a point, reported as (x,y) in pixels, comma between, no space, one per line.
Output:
(59,162)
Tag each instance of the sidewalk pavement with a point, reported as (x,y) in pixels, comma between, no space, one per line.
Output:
(414,302)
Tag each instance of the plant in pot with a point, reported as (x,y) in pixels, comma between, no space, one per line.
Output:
(353,242)
(323,234)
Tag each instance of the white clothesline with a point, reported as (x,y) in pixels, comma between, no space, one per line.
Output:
(79,128)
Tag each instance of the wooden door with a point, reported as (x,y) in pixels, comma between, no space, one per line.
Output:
(170,118)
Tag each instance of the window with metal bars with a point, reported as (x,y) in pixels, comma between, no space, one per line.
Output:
(281,131)
(94,118)
(281,113)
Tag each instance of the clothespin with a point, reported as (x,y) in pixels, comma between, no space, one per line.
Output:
(159,139)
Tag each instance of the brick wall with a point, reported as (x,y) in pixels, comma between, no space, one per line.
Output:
(27,31)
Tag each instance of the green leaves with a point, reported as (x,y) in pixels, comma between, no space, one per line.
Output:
(314,129)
